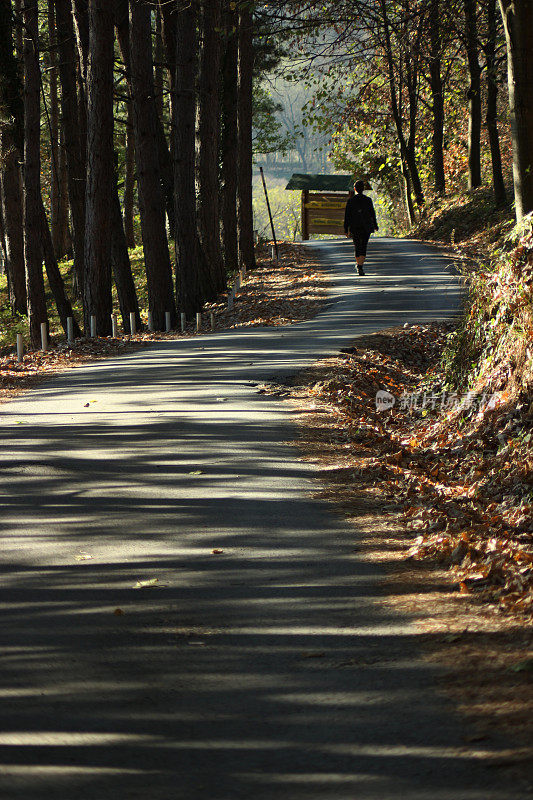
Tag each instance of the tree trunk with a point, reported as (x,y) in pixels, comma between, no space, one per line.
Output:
(169,14)
(191,268)
(74,133)
(165,160)
(518,23)
(129,180)
(437,96)
(474,95)
(127,294)
(11,149)
(158,66)
(245,118)
(407,146)
(149,189)
(55,279)
(13,223)
(230,147)
(209,140)
(80,17)
(32,176)
(64,243)
(58,223)
(407,193)
(491,118)
(100,168)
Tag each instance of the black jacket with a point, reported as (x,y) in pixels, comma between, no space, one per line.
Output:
(360,215)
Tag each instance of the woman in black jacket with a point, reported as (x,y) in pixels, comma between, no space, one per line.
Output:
(359,222)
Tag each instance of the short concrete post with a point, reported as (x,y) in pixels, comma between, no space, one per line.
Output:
(231,298)
(114,326)
(20,347)
(212,316)
(167,322)
(243,275)
(198,322)
(237,283)
(44,336)
(183,322)
(133,326)
(70,330)
(93,327)
(150,321)
(273,253)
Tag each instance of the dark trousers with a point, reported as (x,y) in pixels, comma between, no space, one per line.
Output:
(360,239)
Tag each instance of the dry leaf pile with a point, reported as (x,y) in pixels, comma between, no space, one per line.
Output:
(293,290)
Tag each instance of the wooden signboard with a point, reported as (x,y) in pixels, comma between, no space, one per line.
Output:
(323,212)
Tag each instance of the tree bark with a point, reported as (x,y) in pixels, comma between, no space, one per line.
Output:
(209,140)
(13,223)
(129,180)
(191,268)
(518,23)
(158,66)
(58,208)
(126,291)
(11,149)
(491,118)
(165,160)
(474,94)
(437,96)
(100,168)
(149,188)
(245,214)
(74,133)
(37,313)
(169,14)
(230,146)
(55,279)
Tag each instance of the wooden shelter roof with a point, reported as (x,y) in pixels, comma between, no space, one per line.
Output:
(321,183)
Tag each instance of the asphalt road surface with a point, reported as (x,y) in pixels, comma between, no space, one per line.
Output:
(271,671)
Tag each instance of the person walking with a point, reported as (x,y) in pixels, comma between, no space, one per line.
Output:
(359,222)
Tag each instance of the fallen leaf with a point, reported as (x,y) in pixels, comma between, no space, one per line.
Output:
(83,557)
(145,583)
(217,552)
(118,612)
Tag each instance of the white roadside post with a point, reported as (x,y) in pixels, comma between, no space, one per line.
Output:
(231,298)
(20,347)
(198,322)
(44,337)
(183,322)
(114,326)
(93,327)
(212,321)
(150,321)
(273,253)
(167,321)
(237,283)
(133,327)
(70,330)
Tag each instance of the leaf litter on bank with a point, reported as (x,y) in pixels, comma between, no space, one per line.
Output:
(466,500)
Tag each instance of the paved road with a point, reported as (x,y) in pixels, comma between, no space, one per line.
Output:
(200,690)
